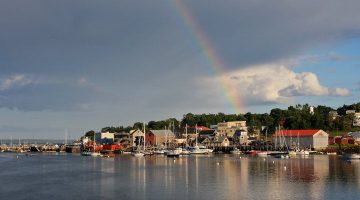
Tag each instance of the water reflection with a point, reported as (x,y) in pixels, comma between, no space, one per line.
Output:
(187,177)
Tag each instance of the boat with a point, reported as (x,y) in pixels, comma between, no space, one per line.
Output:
(185,152)
(292,153)
(159,151)
(86,153)
(137,154)
(351,156)
(253,152)
(302,152)
(235,151)
(331,153)
(94,153)
(173,153)
(198,149)
(262,153)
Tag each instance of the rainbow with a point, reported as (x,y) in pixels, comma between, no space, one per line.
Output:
(211,55)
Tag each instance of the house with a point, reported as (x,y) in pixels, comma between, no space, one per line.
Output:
(356,120)
(123,139)
(218,141)
(229,128)
(159,137)
(104,138)
(136,137)
(240,137)
(355,136)
(207,133)
(303,139)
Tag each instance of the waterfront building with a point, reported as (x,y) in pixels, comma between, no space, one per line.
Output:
(104,137)
(218,141)
(136,137)
(159,137)
(229,128)
(356,121)
(303,139)
(355,136)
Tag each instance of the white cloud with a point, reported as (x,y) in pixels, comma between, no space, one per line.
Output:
(18,80)
(272,83)
(82,81)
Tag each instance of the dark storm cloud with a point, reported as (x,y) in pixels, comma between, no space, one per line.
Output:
(248,32)
(142,49)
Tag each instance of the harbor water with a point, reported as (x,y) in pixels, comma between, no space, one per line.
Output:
(71,176)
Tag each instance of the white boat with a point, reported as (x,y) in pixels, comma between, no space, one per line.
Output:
(173,153)
(302,152)
(137,154)
(185,152)
(292,153)
(159,151)
(95,154)
(198,149)
(235,151)
(263,154)
(331,153)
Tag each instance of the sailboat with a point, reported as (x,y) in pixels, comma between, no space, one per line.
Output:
(138,153)
(185,151)
(197,149)
(94,153)
(298,151)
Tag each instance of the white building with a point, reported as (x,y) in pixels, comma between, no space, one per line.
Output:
(104,137)
(303,139)
(356,121)
(136,136)
(229,128)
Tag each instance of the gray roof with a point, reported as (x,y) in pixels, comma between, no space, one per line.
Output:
(161,133)
(220,138)
(355,134)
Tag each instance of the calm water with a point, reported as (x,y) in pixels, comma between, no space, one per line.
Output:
(69,176)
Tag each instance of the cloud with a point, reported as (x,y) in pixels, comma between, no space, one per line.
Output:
(82,81)
(18,80)
(273,83)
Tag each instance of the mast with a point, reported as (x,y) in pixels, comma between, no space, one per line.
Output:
(144,135)
(94,143)
(165,138)
(186,133)
(196,135)
(267,149)
(66,136)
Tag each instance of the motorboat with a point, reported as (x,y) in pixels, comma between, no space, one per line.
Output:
(173,153)
(235,151)
(137,154)
(95,154)
(198,150)
(86,153)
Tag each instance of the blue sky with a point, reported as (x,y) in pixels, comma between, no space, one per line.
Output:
(82,65)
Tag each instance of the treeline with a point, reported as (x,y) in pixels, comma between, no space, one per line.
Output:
(294,117)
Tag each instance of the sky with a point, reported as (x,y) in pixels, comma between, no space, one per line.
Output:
(80,65)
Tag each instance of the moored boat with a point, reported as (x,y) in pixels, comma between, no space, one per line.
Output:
(235,151)
(351,156)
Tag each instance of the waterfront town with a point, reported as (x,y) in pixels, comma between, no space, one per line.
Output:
(235,137)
